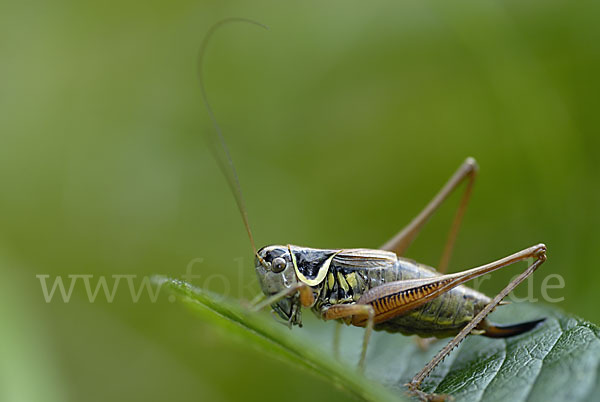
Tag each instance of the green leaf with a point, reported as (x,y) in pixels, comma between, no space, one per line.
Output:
(559,360)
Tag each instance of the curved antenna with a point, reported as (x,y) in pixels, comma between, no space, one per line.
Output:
(226,166)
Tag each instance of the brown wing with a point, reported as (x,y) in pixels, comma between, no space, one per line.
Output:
(364,258)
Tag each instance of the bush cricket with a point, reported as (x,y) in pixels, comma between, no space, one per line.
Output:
(379,289)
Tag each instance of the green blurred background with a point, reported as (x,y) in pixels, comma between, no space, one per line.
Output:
(343,120)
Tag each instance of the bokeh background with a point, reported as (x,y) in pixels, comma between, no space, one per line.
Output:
(344,119)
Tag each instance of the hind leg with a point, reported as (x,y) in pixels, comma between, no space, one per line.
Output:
(539,253)
(400,242)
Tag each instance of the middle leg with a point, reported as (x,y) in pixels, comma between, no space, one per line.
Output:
(339,311)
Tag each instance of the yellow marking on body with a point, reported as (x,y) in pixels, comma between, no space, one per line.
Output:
(342,282)
(351,279)
(330,280)
(323,269)
(390,302)
(412,294)
(383,305)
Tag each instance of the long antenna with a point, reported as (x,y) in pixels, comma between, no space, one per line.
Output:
(226,166)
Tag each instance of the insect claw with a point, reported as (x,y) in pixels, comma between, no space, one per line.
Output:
(424,396)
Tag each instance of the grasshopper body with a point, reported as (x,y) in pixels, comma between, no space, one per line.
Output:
(338,277)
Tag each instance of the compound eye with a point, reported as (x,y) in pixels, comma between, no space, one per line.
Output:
(278,264)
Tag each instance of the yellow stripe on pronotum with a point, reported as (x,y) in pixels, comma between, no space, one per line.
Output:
(323,269)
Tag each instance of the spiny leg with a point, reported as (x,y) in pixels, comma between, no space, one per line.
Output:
(538,252)
(400,242)
(338,311)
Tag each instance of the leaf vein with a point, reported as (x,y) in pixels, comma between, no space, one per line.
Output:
(537,376)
